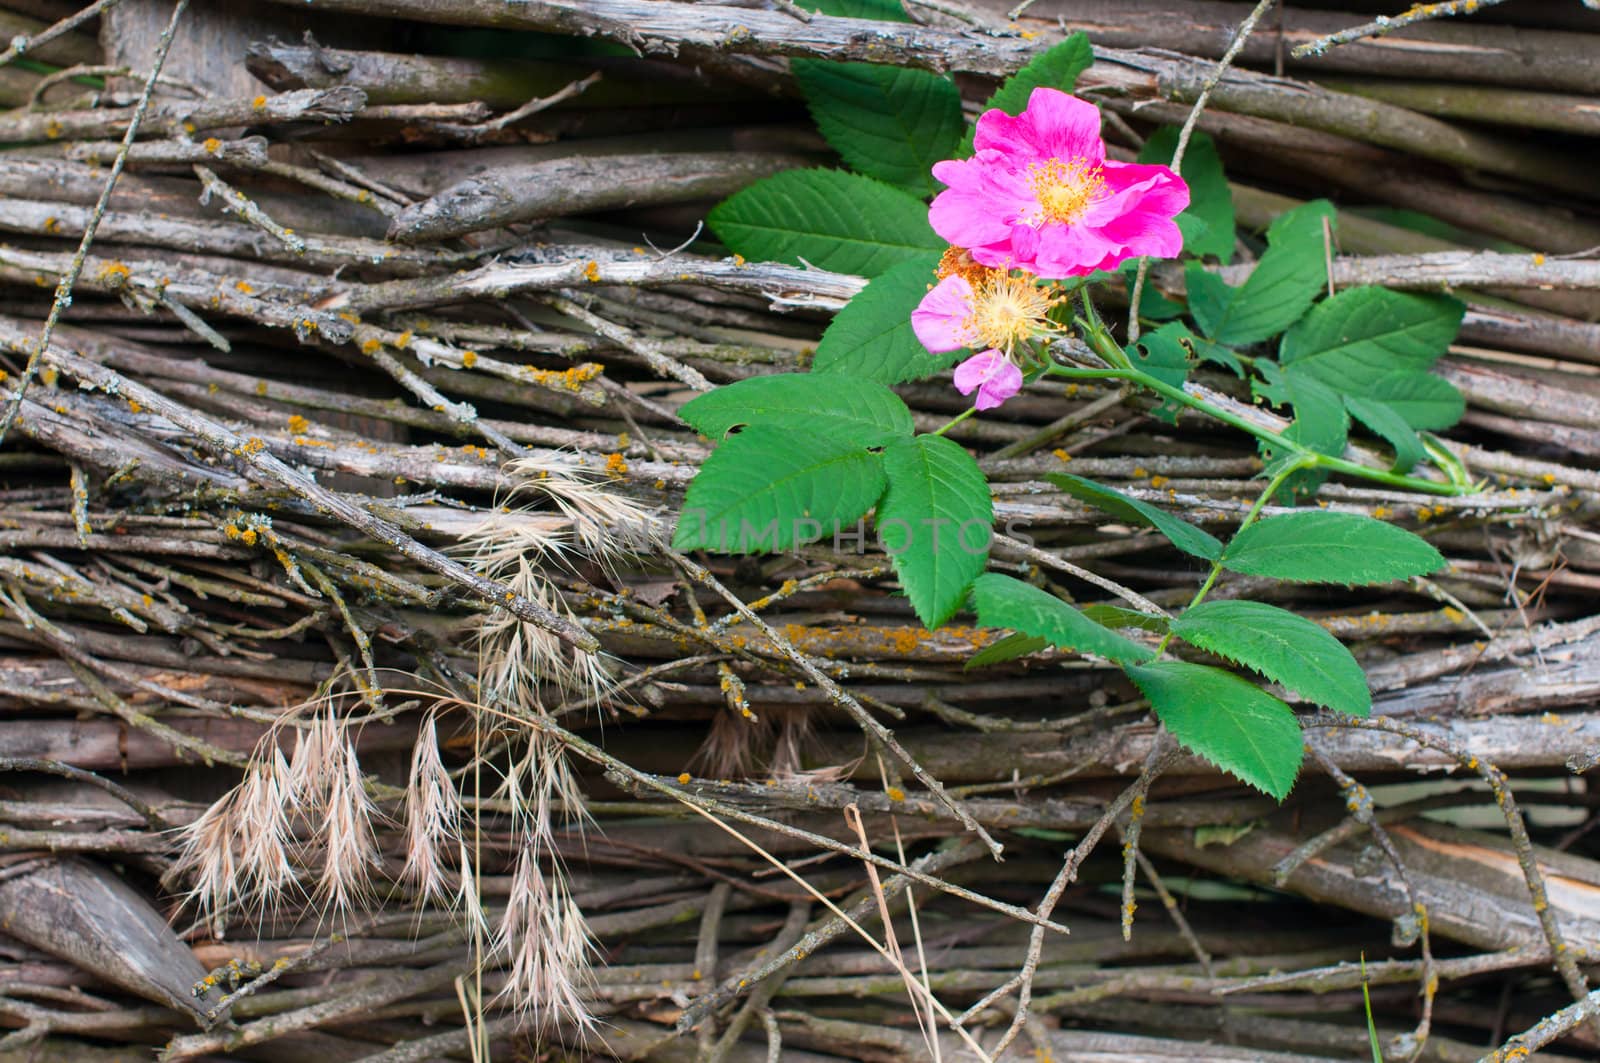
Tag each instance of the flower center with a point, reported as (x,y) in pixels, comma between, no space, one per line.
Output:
(1065,190)
(1007,310)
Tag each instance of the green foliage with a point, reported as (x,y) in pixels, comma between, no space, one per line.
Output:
(1314,546)
(871,338)
(881,10)
(1227,720)
(1182,534)
(1005,649)
(1057,67)
(1002,601)
(886,122)
(835,221)
(866,414)
(935,521)
(1163,355)
(1281,287)
(1373,348)
(1286,648)
(1209,198)
(1115,616)
(769,488)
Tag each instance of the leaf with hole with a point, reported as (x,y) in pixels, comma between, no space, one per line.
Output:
(836,221)
(865,413)
(1002,601)
(769,488)
(1228,720)
(1185,536)
(871,338)
(935,522)
(1315,546)
(1288,649)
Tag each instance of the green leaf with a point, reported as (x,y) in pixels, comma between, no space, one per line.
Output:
(835,221)
(1286,648)
(935,522)
(1005,602)
(1278,291)
(1009,648)
(1386,421)
(1315,546)
(1163,355)
(866,414)
(1231,722)
(1185,536)
(1209,198)
(1319,422)
(881,10)
(1115,616)
(1367,342)
(1057,67)
(769,488)
(887,122)
(871,338)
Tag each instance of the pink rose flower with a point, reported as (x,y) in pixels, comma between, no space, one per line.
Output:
(992,375)
(1039,194)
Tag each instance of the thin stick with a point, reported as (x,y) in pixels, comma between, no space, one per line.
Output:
(1385,24)
(21,44)
(68,280)
(1236,45)
(842,698)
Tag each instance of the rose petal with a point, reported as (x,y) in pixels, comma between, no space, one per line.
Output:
(1003,384)
(973,373)
(1064,127)
(940,320)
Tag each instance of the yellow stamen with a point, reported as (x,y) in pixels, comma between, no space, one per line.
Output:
(1007,310)
(1065,190)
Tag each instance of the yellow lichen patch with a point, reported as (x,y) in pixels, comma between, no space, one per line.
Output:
(298,424)
(261,387)
(403,340)
(616,465)
(1158,482)
(371,346)
(469,359)
(624,440)
(248,536)
(134,406)
(53,129)
(212,145)
(738,260)
(1538,259)
(114,272)
(259,102)
(481,453)
(1382,512)
(567,379)
(1061,454)
(52,225)
(683,779)
(253,445)
(894,793)
(244,286)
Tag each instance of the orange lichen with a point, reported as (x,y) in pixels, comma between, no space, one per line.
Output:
(298,424)
(212,145)
(402,341)
(591,271)
(469,359)
(244,286)
(371,346)
(114,272)
(259,102)
(616,466)
(566,379)
(683,779)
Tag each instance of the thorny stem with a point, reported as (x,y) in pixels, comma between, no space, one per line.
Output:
(1102,344)
(957,419)
(1249,518)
